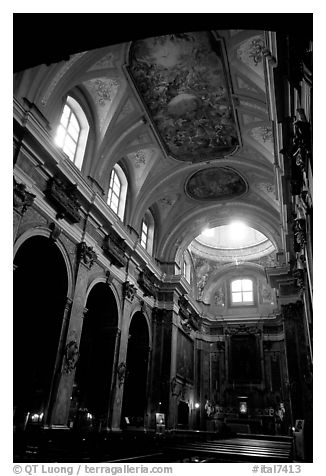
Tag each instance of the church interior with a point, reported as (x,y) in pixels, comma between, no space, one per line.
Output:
(163,242)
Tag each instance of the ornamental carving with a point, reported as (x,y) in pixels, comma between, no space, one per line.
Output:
(86,254)
(105,89)
(299,151)
(298,275)
(146,281)
(189,320)
(121,373)
(242,329)
(114,247)
(22,198)
(63,195)
(129,290)
(71,356)
(252,51)
(299,228)
(55,231)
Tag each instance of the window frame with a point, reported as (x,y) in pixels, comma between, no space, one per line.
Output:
(123,191)
(148,219)
(144,233)
(76,111)
(242,303)
(112,194)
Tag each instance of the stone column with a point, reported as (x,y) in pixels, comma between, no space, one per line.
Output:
(114,377)
(61,405)
(121,367)
(59,360)
(172,415)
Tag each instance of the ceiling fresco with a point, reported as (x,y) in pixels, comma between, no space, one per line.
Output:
(215,183)
(183,81)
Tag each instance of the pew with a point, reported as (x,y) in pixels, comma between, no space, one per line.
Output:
(238,449)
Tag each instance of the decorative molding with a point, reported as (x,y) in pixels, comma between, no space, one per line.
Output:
(114,247)
(86,254)
(146,281)
(67,65)
(64,197)
(129,290)
(242,329)
(22,198)
(105,62)
(189,319)
(71,356)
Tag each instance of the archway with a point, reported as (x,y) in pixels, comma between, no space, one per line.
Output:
(135,390)
(40,292)
(93,379)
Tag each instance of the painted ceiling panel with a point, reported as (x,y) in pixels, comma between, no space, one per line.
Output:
(183,81)
(215,183)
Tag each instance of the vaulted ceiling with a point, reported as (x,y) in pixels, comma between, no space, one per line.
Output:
(186,116)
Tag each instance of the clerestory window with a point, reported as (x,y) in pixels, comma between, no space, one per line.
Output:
(72,132)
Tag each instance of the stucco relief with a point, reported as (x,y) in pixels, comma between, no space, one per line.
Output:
(141,157)
(182,80)
(267,188)
(103,89)
(264,135)
(251,52)
(215,183)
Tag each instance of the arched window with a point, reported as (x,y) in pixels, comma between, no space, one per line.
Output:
(72,131)
(242,292)
(114,192)
(187,267)
(144,234)
(147,232)
(117,191)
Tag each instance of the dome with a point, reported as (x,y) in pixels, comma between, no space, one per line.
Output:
(231,242)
